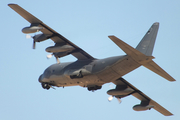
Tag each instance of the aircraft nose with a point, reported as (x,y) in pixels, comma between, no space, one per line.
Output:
(40,78)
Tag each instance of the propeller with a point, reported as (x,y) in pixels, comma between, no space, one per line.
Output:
(34,46)
(52,87)
(57,59)
(111,86)
(119,100)
(28,36)
(53,54)
(110,98)
(50,56)
(34,42)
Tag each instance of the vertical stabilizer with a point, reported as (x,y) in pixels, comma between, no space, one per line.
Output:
(147,43)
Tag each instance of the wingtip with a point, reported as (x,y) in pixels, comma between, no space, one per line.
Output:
(110,36)
(156,23)
(11,4)
(173,80)
(170,114)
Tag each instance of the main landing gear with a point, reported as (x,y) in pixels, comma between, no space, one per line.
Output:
(93,88)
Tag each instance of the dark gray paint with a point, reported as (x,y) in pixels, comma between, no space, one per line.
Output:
(90,72)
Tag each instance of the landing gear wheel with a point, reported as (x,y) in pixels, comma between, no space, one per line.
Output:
(89,88)
(94,88)
(45,86)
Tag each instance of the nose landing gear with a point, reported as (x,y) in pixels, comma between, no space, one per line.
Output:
(45,86)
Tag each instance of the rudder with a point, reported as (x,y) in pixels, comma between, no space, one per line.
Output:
(147,43)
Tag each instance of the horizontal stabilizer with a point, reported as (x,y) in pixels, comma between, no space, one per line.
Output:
(135,54)
(141,58)
(158,70)
(125,47)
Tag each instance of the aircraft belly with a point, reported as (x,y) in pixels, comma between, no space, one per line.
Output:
(125,66)
(63,81)
(59,80)
(117,70)
(108,75)
(90,80)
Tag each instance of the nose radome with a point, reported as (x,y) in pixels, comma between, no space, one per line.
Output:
(40,78)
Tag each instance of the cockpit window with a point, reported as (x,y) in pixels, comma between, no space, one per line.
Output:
(47,73)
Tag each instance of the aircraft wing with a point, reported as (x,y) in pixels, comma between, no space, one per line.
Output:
(56,37)
(141,96)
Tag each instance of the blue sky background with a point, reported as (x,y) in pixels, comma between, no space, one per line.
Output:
(87,24)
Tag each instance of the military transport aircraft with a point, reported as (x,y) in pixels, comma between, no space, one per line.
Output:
(92,73)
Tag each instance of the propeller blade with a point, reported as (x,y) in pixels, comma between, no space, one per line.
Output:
(49,56)
(34,44)
(110,98)
(119,100)
(111,86)
(53,87)
(57,59)
(28,36)
(52,44)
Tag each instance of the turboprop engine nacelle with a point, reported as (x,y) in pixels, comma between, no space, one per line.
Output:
(31,29)
(140,107)
(144,105)
(55,49)
(41,37)
(116,92)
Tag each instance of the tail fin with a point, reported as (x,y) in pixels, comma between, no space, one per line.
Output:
(147,43)
(142,54)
